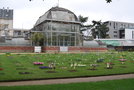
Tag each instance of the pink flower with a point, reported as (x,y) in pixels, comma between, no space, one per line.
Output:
(38,63)
(122,60)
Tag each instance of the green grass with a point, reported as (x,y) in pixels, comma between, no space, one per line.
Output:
(11,62)
(125,84)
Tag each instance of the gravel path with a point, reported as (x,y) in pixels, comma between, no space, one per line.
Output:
(69,80)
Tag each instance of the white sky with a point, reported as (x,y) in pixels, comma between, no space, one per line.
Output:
(26,13)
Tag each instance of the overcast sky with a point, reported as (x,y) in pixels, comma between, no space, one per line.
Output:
(26,13)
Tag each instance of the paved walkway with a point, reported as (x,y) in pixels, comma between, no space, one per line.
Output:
(69,80)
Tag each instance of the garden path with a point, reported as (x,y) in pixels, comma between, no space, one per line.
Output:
(68,80)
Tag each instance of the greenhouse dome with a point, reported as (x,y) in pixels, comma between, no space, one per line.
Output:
(58,13)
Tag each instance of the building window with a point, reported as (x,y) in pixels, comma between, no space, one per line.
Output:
(128,26)
(19,32)
(53,28)
(121,26)
(124,26)
(115,31)
(6,15)
(132,34)
(114,25)
(49,27)
(115,36)
(6,26)
(110,23)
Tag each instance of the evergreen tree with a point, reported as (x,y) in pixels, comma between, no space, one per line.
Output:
(99,29)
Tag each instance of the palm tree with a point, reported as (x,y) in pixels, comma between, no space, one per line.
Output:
(82,19)
(38,38)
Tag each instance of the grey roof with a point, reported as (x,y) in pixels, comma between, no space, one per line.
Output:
(117,42)
(6,14)
(90,44)
(60,9)
(49,15)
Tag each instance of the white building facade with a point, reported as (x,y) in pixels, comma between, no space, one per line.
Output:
(129,33)
(117,30)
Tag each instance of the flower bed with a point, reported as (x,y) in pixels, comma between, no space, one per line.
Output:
(25,73)
(100,60)
(37,66)
(122,60)
(109,65)
(38,63)
(93,66)
(44,67)
(1,69)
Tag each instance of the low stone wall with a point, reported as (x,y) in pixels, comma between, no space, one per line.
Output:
(4,49)
(87,49)
(53,49)
(74,49)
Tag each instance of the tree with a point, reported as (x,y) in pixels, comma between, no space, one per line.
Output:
(99,29)
(82,19)
(84,27)
(38,38)
(108,1)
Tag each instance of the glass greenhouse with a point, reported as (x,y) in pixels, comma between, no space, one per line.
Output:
(60,28)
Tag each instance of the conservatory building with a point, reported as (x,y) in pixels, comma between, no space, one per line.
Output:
(60,28)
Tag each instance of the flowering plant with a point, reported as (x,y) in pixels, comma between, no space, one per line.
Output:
(122,60)
(109,65)
(44,67)
(38,63)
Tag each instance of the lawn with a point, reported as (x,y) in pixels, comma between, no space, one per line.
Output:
(44,66)
(125,84)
